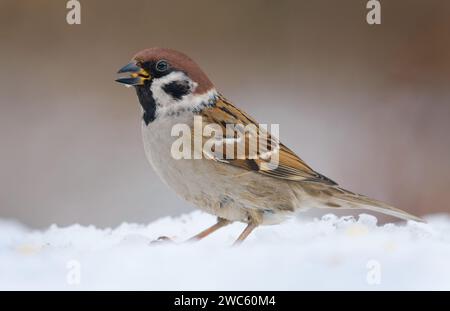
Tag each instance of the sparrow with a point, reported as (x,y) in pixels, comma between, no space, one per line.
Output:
(172,90)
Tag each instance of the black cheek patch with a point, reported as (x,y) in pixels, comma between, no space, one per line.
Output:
(177,89)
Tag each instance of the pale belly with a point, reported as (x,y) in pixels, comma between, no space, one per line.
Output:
(217,188)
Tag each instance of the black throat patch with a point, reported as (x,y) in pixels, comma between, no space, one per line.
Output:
(147,102)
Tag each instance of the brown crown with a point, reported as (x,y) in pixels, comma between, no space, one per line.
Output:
(178,61)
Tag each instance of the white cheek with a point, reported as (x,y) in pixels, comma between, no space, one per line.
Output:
(162,98)
(193,85)
(167,105)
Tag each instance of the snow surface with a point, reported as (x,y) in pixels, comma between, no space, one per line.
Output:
(328,253)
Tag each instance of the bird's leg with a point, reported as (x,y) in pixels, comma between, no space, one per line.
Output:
(250,227)
(221,222)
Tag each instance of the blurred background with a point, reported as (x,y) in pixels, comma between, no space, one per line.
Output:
(368,106)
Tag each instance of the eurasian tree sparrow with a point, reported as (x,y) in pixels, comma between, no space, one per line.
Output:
(172,89)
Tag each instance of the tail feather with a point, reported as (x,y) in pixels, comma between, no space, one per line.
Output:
(334,196)
(380,207)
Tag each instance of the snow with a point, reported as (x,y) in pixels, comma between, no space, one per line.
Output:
(329,253)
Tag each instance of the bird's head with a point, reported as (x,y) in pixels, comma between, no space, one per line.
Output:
(164,78)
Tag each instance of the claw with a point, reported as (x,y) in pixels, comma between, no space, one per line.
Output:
(162,239)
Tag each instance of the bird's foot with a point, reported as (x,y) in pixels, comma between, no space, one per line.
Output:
(162,240)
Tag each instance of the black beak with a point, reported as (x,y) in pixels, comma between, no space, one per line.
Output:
(138,75)
(130,81)
(131,67)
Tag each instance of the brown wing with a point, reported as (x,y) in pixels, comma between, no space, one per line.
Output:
(289,167)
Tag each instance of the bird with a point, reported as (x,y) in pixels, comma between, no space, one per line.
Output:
(173,91)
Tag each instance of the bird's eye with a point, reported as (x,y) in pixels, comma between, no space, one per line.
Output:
(162,65)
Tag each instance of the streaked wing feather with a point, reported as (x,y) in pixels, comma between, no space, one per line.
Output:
(290,166)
